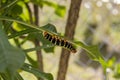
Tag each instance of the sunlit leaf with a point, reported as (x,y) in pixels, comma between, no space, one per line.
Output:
(25,12)
(18,27)
(60,10)
(50,4)
(33,62)
(117,71)
(111,62)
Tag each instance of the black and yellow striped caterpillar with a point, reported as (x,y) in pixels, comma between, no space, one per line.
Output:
(59,41)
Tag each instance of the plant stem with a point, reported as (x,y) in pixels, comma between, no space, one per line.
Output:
(69,32)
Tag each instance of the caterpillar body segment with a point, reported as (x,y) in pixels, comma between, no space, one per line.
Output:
(59,41)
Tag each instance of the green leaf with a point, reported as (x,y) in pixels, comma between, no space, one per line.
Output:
(21,22)
(7,27)
(111,62)
(8,5)
(50,28)
(19,27)
(117,71)
(93,53)
(18,76)
(37,73)
(39,35)
(38,48)
(60,10)
(33,62)
(20,33)
(50,4)
(4,76)
(11,58)
(25,15)
(16,10)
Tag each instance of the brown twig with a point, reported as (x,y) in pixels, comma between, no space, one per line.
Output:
(69,32)
(36,42)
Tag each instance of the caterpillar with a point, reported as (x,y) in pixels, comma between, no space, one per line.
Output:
(59,41)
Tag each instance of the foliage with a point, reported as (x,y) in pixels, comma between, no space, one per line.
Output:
(13,58)
(9,56)
(117,71)
(37,73)
(14,24)
(93,51)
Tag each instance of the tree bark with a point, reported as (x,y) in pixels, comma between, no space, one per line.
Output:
(69,33)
